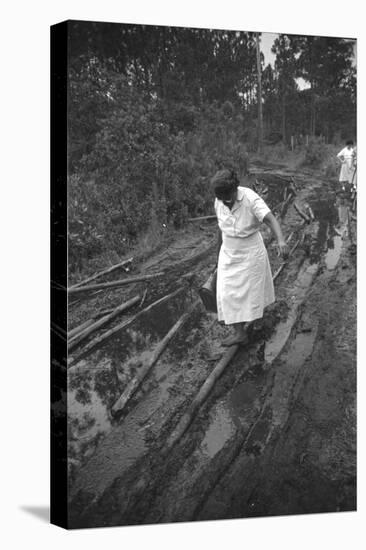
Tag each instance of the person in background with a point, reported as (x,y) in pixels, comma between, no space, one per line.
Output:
(347,158)
(244,279)
(354,177)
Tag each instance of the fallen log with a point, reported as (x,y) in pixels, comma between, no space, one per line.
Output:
(106,335)
(133,386)
(301,213)
(103,312)
(114,284)
(102,273)
(212,217)
(202,395)
(80,328)
(73,342)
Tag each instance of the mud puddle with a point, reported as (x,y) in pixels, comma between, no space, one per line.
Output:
(249,406)
(229,415)
(96,382)
(333,219)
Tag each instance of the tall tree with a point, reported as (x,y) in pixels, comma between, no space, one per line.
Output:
(285,49)
(259,94)
(326,64)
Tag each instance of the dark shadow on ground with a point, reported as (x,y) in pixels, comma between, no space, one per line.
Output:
(40,512)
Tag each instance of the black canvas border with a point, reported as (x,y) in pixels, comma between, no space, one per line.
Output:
(59,484)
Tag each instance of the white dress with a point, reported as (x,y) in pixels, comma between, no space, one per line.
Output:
(348,167)
(244,278)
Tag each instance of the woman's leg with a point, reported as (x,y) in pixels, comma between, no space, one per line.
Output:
(239,336)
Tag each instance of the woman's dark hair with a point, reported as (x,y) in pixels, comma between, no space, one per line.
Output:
(349,142)
(224,183)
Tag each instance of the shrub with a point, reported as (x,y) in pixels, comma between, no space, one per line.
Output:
(315,153)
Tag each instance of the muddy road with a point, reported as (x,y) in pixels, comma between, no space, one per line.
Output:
(277,433)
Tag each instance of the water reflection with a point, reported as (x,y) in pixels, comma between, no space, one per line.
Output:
(90,393)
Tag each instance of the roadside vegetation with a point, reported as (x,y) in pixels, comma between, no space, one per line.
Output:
(155,111)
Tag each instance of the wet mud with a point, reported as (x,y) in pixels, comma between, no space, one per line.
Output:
(276,434)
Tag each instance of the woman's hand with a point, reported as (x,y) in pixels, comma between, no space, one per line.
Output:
(283,249)
(271,221)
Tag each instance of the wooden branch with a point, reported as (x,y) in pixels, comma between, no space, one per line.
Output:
(73,342)
(114,284)
(133,386)
(143,297)
(106,335)
(292,188)
(202,395)
(103,312)
(212,217)
(310,212)
(284,178)
(289,197)
(101,273)
(301,213)
(79,328)
(285,263)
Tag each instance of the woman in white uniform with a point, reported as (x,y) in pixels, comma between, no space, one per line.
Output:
(347,157)
(244,278)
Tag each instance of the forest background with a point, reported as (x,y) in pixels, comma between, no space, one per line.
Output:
(154,111)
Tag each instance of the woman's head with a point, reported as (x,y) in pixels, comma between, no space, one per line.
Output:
(224,184)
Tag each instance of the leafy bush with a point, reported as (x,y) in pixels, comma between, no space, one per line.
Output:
(147,165)
(315,152)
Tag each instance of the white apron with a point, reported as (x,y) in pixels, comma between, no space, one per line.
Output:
(347,156)
(347,171)
(244,279)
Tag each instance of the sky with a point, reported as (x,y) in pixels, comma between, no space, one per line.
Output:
(267,40)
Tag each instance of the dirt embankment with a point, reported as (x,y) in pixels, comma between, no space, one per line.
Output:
(277,433)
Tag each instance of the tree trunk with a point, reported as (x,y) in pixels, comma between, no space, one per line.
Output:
(259,95)
(284,118)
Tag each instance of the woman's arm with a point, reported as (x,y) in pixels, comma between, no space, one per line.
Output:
(219,243)
(340,156)
(275,227)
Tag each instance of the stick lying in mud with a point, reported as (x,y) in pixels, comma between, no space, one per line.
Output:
(285,263)
(281,206)
(73,342)
(71,333)
(310,212)
(102,273)
(206,388)
(99,339)
(301,213)
(114,284)
(133,386)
